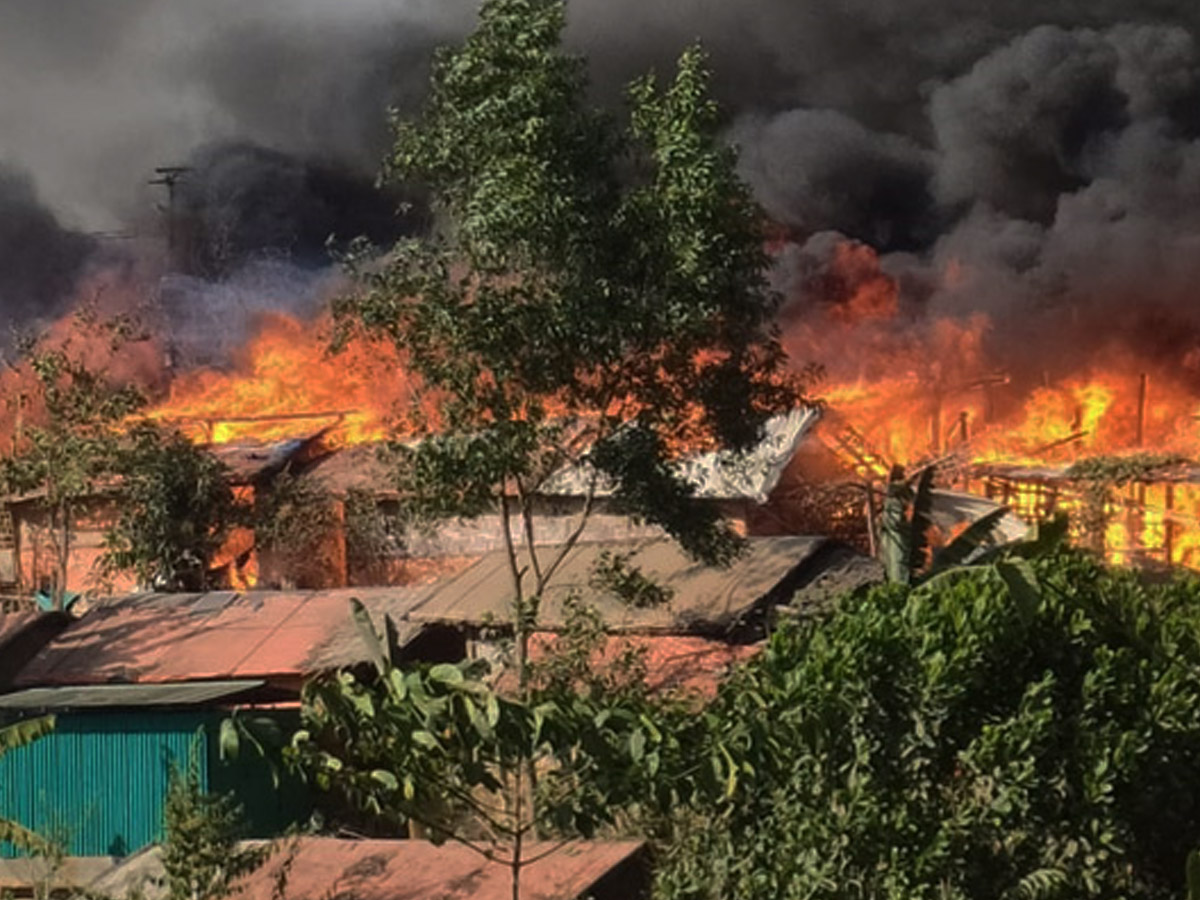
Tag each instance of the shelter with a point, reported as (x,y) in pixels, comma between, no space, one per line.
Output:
(732,603)
(98,782)
(313,868)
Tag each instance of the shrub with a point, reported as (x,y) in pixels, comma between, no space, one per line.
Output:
(954,741)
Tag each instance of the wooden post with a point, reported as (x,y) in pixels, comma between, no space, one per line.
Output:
(870,508)
(1143,392)
(19,427)
(1169,524)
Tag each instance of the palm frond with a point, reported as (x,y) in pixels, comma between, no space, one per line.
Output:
(19,734)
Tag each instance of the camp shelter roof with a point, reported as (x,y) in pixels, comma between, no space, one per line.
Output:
(125,695)
(157,638)
(685,664)
(249,460)
(323,867)
(389,870)
(722,475)
(353,468)
(704,599)
(23,635)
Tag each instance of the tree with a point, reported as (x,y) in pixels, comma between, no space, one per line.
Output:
(953,740)
(439,749)
(176,509)
(66,454)
(593,298)
(20,734)
(200,856)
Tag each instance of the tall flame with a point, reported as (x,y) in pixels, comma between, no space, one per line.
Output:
(285,382)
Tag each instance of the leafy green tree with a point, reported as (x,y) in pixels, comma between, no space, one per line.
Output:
(176,509)
(20,734)
(200,856)
(593,298)
(66,454)
(439,748)
(293,519)
(958,740)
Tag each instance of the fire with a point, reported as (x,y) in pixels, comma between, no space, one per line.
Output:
(287,383)
(911,388)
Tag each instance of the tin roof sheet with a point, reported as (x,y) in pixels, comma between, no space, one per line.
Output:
(704,599)
(390,870)
(158,638)
(321,867)
(752,475)
(125,695)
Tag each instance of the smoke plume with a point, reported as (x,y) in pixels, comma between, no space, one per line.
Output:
(1032,162)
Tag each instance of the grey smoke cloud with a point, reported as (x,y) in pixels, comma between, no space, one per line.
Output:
(1049,148)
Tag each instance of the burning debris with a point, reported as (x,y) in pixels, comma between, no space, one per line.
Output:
(987,242)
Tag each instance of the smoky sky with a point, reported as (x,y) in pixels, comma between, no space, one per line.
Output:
(1050,148)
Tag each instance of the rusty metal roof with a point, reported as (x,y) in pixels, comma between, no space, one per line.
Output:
(249,461)
(163,638)
(705,600)
(158,638)
(318,868)
(393,870)
(684,664)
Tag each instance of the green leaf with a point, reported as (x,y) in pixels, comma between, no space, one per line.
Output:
(446,673)
(386,779)
(637,745)
(375,646)
(426,740)
(977,536)
(1022,583)
(922,520)
(227,740)
(1193,875)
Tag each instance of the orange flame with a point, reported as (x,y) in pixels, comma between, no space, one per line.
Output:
(285,383)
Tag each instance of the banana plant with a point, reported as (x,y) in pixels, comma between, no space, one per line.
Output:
(19,734)
(904,549)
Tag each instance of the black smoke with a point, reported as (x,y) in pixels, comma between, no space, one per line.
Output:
(237,202)
(1047,152)
(40,260)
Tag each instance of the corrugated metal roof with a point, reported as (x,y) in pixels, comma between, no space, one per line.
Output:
(156,638)
(248,461)
(705,600)
(164,638)
(125,695)
(723,475)
(389,870)
(693,666)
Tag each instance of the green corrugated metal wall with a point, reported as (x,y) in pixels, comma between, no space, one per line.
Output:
(98,782)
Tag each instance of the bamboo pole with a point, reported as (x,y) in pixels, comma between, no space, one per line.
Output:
(1143,393)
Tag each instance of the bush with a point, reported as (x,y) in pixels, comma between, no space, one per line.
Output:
(954,742)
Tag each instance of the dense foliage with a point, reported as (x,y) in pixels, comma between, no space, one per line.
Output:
(200,855)
(441,745)
(961,741)
(176,508)
(595,293)
(65,453)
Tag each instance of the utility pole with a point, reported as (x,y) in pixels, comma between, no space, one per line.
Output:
(169,176)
